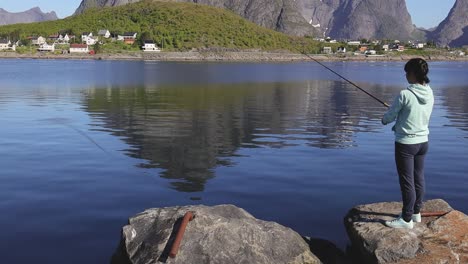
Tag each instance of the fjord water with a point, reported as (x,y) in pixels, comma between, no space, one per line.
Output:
(86,144)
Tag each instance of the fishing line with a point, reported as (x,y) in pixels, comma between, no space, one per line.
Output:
(342,77)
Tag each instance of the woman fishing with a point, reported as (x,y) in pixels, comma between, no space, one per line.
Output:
(412,111)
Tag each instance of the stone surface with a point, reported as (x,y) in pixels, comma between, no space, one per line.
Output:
(32,15)
(435,240)
(219,234)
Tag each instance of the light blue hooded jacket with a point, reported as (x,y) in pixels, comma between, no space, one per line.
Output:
(412,111)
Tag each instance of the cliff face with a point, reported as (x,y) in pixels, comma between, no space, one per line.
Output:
(29,16)
(453,31)
(281,15)
(348,19)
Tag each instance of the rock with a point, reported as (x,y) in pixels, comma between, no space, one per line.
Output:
(435,240)
(219,234)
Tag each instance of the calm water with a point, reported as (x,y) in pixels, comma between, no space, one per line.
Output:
(86,144)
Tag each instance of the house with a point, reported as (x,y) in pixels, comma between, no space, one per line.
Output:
(363,48)
(401,48)
(91,41)
(4,44)
(419,45)
(150,46)
(327,50)
(79,48)
(54,37)
(371,52)
(385,47)
(64,39)
(128,37)
(354,43)
(37,40)
(341,50)
(46,47)
(104,33)
(85,36)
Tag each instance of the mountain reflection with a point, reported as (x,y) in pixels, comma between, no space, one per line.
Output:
(190,130)
(456,102)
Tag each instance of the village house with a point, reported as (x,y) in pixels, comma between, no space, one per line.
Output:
(54,37)
(79,48)
(418,45)
(46,47)
(341,50)
(4,44)
(92,41)
(327,50)
(37,40)
(401,47)
(354,43)
(104,33)
(128,37)
(363,48)
(85,36)
(385,47)
(150,46)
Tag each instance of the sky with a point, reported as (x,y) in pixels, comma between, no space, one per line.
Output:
(425,13)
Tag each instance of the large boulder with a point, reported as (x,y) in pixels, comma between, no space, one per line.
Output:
(218,234)
(435,240)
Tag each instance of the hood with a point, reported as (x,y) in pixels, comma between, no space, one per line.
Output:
(422,92)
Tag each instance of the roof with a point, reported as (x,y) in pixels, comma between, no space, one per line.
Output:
(129,34)
(85,33)
(78,46)
(4,41)
(149,42)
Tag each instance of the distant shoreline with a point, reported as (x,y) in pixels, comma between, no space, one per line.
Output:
(228,56)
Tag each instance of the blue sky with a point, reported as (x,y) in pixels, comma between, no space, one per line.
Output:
(425,13)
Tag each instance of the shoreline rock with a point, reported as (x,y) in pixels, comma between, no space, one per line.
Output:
(218,234)
(435,240)
(218,56)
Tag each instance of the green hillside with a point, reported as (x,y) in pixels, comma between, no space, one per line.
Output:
(182,26)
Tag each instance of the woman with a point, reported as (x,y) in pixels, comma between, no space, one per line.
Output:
(412,110)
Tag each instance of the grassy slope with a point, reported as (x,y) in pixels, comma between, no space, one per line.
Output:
(182,26)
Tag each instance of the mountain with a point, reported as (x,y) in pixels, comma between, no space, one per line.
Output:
(280,15)
(179,26)
(32,15)
(453,31)
(345,19)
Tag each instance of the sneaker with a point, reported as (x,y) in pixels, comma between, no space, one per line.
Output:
(415,217)
(399,223)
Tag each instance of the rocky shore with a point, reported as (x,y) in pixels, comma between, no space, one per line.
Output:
(228,234)
(228,56)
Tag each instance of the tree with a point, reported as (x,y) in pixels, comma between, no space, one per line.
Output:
(97,48)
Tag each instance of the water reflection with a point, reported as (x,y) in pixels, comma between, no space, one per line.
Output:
(456,102)
(189,130)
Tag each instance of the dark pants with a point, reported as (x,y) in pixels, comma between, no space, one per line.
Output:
(410,165)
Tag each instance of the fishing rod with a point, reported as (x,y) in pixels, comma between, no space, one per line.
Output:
(344,78)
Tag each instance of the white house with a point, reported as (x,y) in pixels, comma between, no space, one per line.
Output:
(354,43)
(327,50)
(47,47)
(37,40)
(91,41)
(66,39)
(385,47)
(371,52)
(104,33)
(4,44)
(79,48)
(150,46)
(420,45)
(341,50)
(85,36)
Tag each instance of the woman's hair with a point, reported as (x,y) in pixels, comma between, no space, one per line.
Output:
(419,68)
